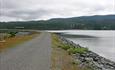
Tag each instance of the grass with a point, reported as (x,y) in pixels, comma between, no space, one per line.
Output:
(60,58)
(77,50)
(65,47)
(13,41)
(73,50)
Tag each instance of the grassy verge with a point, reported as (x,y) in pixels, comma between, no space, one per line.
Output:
(61,60)
(13,41)
(61,55)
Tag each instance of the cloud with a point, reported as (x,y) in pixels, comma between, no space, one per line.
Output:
(26,14)
(15,10)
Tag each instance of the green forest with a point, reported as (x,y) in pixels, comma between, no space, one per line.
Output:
(104,22)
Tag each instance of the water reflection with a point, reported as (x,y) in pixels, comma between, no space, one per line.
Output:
(102,42)
(99,41)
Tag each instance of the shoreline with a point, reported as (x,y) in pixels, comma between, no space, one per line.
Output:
(90,58)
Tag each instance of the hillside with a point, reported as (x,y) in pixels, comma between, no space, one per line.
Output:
(105,22)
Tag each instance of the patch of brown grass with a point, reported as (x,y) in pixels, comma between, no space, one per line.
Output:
(61,60)
(13,41)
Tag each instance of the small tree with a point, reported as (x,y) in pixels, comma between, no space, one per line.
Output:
(12,34)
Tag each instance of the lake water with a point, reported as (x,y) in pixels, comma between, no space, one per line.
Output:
(98,41)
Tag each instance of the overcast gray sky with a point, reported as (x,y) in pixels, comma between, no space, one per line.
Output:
(17,10)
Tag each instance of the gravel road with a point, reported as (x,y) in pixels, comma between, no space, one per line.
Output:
(31,55)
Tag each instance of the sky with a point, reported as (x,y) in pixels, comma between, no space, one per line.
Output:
(27,10)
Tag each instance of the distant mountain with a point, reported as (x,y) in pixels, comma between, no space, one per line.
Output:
(103,22)
(96,17)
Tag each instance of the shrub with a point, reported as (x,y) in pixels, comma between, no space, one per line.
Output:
(80,50)
(65,47)
(12,34)
(72,51)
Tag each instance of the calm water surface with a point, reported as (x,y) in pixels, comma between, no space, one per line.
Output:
(99,41)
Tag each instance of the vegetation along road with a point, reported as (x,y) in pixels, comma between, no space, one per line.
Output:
(32,55)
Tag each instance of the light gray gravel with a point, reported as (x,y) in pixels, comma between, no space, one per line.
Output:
(32,55)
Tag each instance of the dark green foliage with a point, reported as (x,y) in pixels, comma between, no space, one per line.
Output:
(86,23)
(12,34)
(73,50)
(79,50)
(65,47)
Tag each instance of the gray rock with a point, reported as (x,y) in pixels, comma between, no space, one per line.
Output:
(90,58)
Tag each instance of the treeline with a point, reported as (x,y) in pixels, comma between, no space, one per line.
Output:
(86,23)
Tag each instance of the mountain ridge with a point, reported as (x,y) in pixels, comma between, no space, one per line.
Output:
(97,22)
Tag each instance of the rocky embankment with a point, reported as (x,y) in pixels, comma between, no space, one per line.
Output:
(90,59)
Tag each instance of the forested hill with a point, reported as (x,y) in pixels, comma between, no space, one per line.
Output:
(106,22)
